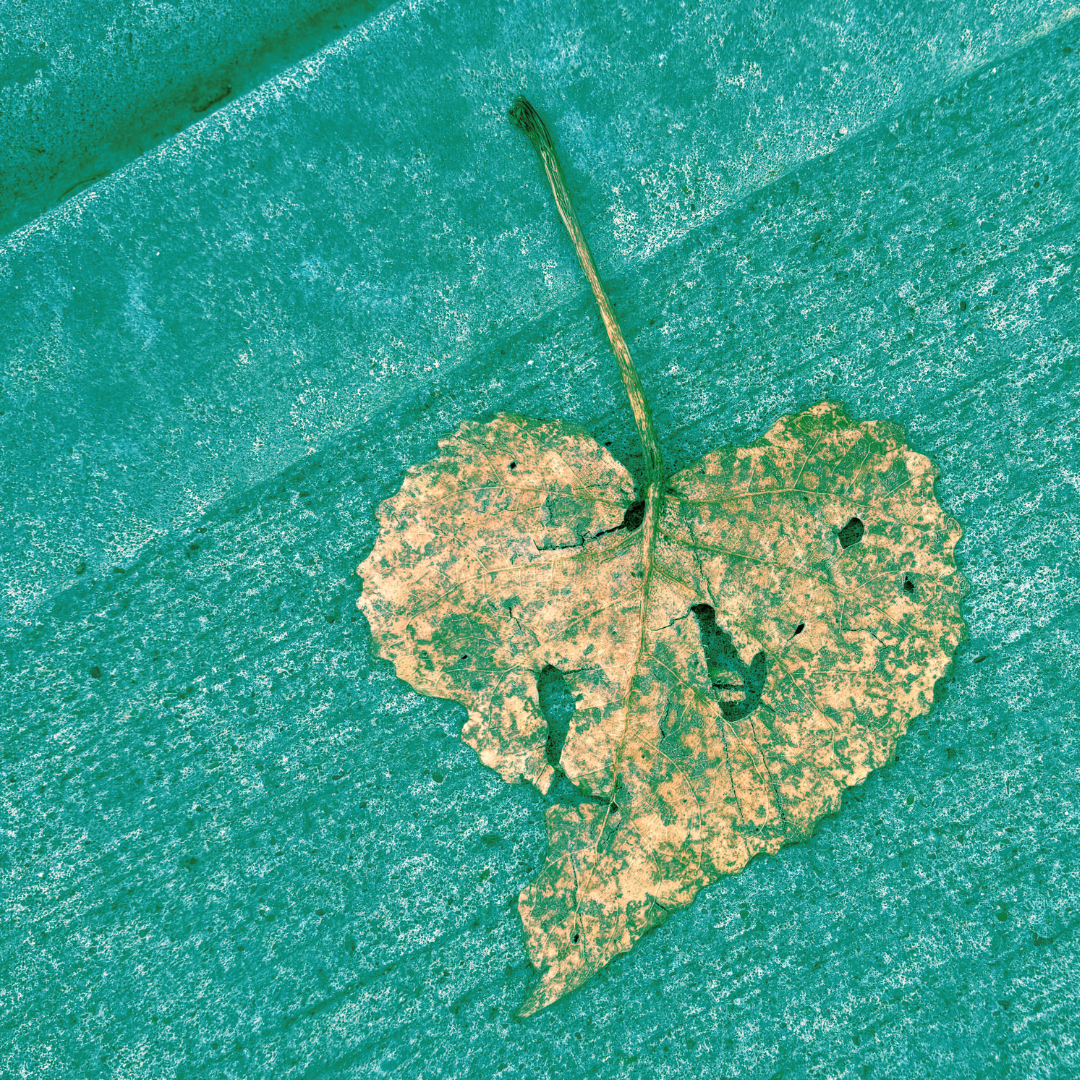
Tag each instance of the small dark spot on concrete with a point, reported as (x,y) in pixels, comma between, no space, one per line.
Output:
(978,659)
(330,617)
(437,776)
(208,104)
(852,532)
(963,305)
(950,753)
(95,672)
(85,182)
(80,568)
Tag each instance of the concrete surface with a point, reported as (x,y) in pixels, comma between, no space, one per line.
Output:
(88,85)
(234,844)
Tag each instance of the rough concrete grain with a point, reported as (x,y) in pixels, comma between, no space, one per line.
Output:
(235,845)
(86,87)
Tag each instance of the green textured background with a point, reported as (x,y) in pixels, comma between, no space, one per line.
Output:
(232,844)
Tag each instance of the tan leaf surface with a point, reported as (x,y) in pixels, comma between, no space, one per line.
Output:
(755,645)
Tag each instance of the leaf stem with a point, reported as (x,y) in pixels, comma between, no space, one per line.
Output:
(525,117)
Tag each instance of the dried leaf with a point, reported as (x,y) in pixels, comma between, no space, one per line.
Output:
(742,640)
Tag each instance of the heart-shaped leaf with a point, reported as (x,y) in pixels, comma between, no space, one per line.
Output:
(743,640)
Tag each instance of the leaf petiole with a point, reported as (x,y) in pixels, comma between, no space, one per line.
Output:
(527,119)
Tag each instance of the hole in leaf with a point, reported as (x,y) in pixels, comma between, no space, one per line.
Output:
(634,516)
(557,705)
(513,464)
(739,684)
(799,629)
(852,532)
(576,938)
(909,586)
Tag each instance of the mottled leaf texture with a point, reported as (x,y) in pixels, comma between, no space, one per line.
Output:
(743,640)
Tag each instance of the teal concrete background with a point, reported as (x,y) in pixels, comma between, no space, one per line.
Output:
(88,85)
(233,844)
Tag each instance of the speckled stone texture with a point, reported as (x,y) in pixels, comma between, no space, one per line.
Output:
(233,843)
(86,86)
